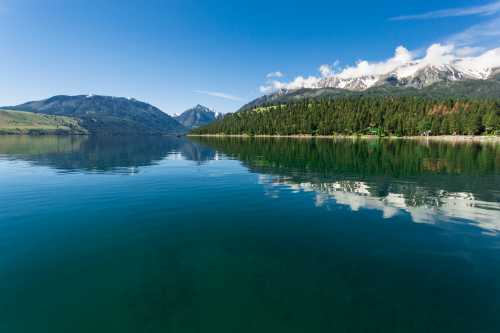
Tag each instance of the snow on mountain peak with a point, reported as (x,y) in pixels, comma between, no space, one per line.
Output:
(440,63)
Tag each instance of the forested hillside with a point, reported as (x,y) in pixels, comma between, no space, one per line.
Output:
(468,89)
(400,115)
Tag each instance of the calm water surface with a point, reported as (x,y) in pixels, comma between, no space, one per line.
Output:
(241,235)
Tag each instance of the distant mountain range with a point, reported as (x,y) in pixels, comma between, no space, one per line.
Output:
(413,75)
(94,114)
(445,84)
(195,117)
(450,106)
(106,115)
(440,64)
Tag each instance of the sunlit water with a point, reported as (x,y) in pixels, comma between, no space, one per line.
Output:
(248,235)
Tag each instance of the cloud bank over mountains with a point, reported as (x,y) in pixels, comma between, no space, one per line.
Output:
(402,64)
(473,53)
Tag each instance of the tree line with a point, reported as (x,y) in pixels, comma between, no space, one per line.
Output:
(399,116)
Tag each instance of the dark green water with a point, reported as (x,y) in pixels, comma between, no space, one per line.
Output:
(234,235)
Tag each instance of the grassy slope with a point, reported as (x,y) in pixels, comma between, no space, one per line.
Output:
(20,122)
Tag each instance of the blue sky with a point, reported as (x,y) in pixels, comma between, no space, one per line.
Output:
(176,54)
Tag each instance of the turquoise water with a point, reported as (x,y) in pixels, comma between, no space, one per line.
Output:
(248,235)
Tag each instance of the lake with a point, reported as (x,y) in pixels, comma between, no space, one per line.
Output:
(157,234)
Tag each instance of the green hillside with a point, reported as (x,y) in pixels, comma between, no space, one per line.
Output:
(107,115)
(400,116)
(20,122)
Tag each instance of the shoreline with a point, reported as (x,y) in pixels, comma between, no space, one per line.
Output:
(447,138)
(91,134)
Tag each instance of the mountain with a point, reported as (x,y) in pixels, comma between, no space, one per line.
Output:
(195,117)
(428,75)
(447,107)
(468,88)
(107,115)
(441,63)
(413,73)
(349,83)
(409,75)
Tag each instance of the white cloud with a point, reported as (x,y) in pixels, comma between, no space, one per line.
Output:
(274,74)
(297,83)
(300,81)
(489,9)
(270,87)
(480,36)
(467,51)
(329,70)
(303,82)
(219,94)
(488,59)
(366,68)
(485,34)
(326,70)
(362,68)
(438,54)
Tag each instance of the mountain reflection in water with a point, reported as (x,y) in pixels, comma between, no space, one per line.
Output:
(164,234)
(106,154)
(429,181)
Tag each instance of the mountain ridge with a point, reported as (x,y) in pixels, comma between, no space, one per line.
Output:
(106,114)
(469,88)
(463,107)
(420,77)
(440,63)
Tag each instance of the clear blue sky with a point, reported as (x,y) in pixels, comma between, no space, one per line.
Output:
(170,53)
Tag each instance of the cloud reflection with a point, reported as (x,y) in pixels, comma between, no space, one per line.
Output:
(423,205)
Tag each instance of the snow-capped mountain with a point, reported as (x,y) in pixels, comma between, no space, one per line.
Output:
(410,75)
(430,74)
(441,63)
(354,83)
